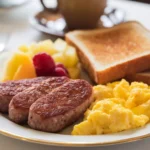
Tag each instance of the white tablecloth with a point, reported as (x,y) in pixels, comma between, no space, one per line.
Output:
(16,20)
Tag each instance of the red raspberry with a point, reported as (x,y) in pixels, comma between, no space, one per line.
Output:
(60,72)
(62,66)
(44,64)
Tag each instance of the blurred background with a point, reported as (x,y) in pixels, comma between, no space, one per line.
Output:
(7,3)
(15,20)
(144,1)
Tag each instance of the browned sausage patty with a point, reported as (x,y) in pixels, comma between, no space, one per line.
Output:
(11,88)
(61,107)
(20,104)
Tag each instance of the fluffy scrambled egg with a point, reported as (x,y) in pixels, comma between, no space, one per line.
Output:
(118,106)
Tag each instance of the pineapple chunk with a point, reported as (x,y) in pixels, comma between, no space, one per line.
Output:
(60,45)
(71,57)
(59,58)
(42,47)
(47,47)
(74,72)
(24,48)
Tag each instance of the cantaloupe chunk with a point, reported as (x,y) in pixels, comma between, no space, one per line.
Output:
(24,72)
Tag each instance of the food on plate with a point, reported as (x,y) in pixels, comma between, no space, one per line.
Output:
(60,51)
(45,66)
(61,107)
(74,72)
(140,77)
(112,53)
(59,71)
(19,66)
(20,103)
(117,107)
(41,59)
(41,47)
(11,88)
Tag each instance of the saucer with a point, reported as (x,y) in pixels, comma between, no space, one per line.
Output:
(54,24)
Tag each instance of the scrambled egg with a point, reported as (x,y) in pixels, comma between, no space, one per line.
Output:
(118,106)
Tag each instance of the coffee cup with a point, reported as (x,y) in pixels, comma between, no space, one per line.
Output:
(79,14)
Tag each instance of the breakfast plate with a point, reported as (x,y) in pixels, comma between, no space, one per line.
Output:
(64,138)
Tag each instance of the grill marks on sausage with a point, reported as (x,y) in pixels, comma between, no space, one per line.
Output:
(61,100)
(11,88)
(61,107)
(22,101)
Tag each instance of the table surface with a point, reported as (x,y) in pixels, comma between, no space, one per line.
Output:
(16,20)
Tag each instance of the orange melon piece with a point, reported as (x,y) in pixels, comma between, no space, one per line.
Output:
(24,72)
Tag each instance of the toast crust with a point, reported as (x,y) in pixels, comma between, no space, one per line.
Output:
(140,77)
(134,55)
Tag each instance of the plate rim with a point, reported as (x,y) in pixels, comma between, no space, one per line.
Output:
(70,144)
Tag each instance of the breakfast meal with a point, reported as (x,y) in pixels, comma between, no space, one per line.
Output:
(42,84)
(112,53)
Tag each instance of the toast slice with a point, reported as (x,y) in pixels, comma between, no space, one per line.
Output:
(140,77)
(109,54)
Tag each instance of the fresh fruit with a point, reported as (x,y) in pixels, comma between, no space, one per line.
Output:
(35,48)
(44,64)
(74,72)
(60,45)
(24,48)
(71,57)
(64,56)
(62,66)
(16,60)
(60,72)
(59,58)
(45,46)
(4,56)
(24,72)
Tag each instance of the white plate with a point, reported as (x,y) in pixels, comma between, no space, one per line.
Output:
(64,138)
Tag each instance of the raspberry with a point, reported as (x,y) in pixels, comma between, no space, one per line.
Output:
(62,66)
(60,72)
(44,64)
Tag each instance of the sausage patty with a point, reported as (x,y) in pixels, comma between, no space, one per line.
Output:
(20,104)
(11,88)
(61,107)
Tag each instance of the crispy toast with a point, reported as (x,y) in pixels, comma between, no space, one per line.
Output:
(112,53)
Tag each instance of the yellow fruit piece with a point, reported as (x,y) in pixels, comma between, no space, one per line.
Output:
(74,72)
(60,45)
(42,47)
(18,59)
(59,58)
(71,57)
(24,48)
